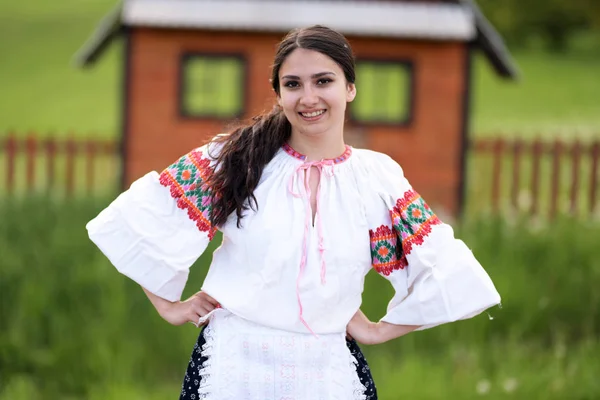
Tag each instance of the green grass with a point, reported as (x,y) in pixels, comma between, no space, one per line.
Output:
(73,328)
(45,93)
(556,96)
(42,90)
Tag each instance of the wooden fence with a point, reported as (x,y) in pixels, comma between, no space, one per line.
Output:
(58,167)
(534,177)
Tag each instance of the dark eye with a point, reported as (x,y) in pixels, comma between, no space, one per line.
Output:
(291,84)
(324,81)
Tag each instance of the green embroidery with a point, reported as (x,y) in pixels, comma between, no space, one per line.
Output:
(186,179)
(385,253)
(412,219)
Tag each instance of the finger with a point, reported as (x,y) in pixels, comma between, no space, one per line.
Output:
(196,317)
(214,302)
(205,305)
(194,320)
(202,320)
(203,299)
(200,302)
(202,310)
(210,299)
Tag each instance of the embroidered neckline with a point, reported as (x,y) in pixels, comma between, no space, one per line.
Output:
(341,158)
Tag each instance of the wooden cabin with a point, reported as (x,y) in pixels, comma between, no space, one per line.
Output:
(191,67)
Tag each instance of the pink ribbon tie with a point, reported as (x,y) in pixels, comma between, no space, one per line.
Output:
(305,169)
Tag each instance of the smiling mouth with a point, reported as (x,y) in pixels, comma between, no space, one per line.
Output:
(313,114)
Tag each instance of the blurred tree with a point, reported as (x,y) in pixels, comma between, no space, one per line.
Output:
(555,21)
(505,17)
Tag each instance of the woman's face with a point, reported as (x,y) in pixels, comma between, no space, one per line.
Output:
(314,93)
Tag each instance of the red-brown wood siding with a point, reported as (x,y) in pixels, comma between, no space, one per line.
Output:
(428,149)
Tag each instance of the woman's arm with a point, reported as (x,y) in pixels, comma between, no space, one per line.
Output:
(180,312)
(368,332)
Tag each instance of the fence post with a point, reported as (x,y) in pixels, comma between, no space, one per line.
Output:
(594,175)
(576,158)
(70,165)
(50,148)
(11,150)
(536,150)
(556,155)
(109,150)
(90,149)
(498,150)
(517,149)
(30,155)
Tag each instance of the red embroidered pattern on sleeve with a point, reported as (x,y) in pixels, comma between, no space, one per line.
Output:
(186,180)
(385,253)
(412,220)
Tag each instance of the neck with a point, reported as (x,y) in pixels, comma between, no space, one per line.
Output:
(318,148)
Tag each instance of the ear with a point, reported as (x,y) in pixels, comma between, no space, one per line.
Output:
(278,100)
(350,92)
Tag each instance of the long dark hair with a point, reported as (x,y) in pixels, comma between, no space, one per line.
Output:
(245,151)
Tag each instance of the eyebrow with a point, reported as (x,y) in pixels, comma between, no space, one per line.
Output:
(314,76)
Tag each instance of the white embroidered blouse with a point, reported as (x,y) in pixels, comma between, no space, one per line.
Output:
(281,269)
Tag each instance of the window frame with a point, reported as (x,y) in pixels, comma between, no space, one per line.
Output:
(409,66)
(183,88)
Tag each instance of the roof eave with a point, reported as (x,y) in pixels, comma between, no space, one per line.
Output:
(485,37)
(491,44)
(452,23)
(108,29)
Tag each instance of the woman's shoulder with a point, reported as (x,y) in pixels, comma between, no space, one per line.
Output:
(376,161)
(202,156)
(211,148)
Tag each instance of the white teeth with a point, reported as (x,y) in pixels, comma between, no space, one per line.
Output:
(313,114)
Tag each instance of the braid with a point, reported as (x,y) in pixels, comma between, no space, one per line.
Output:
(238,167)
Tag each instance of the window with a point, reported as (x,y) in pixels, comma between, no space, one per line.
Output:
(212,86)
(384,92)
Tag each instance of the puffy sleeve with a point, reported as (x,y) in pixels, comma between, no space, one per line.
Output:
(436,277)
(155,230)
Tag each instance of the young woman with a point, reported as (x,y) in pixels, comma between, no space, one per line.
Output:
(303,218)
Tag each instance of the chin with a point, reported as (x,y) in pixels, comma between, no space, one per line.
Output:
(312,131)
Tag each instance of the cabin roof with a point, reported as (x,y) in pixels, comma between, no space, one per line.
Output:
(454,20)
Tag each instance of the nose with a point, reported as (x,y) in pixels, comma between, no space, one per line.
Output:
(309,96)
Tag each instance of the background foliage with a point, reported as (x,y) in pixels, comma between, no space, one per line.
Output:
(553,23)
(47,94)
(72,328)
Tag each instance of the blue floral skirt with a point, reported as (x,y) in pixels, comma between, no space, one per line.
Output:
(191,381)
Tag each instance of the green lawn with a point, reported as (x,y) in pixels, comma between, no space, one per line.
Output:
(557,95)
(73,328)
(44,92)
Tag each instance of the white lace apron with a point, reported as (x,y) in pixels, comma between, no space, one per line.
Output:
(247,361)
